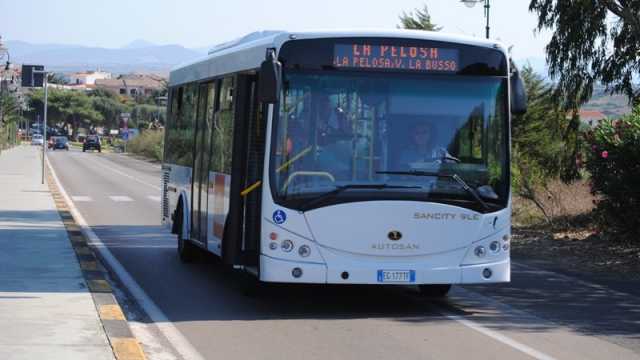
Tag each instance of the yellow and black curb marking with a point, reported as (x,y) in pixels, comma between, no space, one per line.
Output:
(124,344)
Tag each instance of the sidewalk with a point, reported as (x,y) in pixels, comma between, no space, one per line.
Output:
(46,310)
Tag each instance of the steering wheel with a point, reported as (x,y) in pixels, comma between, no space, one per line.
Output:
(443,155)
(296,174)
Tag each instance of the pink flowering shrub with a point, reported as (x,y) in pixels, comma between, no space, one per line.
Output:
(613,161)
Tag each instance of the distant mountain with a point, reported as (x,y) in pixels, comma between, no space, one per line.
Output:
(138,56)
(139,44)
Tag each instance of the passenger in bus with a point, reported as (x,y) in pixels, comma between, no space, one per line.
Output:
(335,141)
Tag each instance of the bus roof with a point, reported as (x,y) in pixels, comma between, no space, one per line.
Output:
(247,52)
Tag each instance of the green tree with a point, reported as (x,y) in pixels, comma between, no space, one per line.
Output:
(539,148)
(144,114)
(9,117)
(419,19)
(9,108)
(593,41)
(110,109)
(72,109)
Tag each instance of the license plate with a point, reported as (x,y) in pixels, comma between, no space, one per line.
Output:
(396,276)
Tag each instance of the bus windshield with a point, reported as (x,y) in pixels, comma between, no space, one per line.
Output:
(388,136)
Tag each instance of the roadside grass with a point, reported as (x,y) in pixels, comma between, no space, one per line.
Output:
(564,204)
(572,239)
(148,144)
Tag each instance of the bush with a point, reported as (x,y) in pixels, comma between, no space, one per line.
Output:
(613,159)
(149,143)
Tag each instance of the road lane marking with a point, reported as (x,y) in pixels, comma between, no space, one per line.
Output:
(499,337)
(502,308)
(127,175)
(111,312)
(125,348)
(155,198)
(79,198)
(120,198)
(179,343)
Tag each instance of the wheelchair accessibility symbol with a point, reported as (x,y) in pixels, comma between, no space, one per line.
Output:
(279,217)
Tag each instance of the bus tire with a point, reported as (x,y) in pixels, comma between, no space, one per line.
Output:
(434,291)
(187,251)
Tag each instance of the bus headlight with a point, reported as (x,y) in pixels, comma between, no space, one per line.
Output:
(480,251)
(487,250)
(287,245)
(304,251)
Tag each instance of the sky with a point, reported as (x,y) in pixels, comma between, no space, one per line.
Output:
(201,23)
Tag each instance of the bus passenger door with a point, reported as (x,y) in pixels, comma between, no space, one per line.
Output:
(202,147)
(243,242)
(255,149)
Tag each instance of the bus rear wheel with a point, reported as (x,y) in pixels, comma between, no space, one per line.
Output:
(434,291)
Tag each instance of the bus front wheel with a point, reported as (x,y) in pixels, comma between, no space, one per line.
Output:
(434,291)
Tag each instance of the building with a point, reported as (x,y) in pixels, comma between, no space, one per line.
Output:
(132,85)
(591,117)
(87,77)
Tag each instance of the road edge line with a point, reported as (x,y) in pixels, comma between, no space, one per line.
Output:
(120,338)
(499,337)
(179,343)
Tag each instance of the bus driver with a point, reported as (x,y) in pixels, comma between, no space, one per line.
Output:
(423,149)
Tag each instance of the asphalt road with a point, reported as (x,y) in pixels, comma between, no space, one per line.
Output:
(541,314)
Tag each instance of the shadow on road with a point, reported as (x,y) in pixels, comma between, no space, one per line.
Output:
(208,290)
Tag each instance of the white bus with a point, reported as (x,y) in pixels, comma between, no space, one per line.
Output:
(345,157)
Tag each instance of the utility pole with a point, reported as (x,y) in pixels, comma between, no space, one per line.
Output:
(36,76)
(44,118)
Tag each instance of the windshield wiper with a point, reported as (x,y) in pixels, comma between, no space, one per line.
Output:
(453,176)
(340,188)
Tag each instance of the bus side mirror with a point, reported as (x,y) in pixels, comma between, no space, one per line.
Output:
(270,80)
(518,94)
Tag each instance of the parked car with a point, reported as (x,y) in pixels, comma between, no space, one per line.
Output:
(37,139)
(92,142)
(60,143)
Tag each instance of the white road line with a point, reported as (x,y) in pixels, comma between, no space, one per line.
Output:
(120,198)
(173,335)
(501,338)
(155,198)
(127,175)
(78,198)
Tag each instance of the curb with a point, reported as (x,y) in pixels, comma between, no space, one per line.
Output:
(124,345)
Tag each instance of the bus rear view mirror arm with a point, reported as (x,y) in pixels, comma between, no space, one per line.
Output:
(270,81)
(518,93)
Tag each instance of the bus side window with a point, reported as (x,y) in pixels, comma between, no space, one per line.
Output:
(175,122)
(223,129)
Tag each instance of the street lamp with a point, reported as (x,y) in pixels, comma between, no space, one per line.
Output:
(487,6)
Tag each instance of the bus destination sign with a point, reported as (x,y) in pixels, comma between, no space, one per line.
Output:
(412,58)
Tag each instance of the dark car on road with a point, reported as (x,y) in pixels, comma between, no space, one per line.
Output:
(60,143)
(92,142)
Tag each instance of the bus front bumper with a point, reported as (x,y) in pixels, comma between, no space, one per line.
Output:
(278,270)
